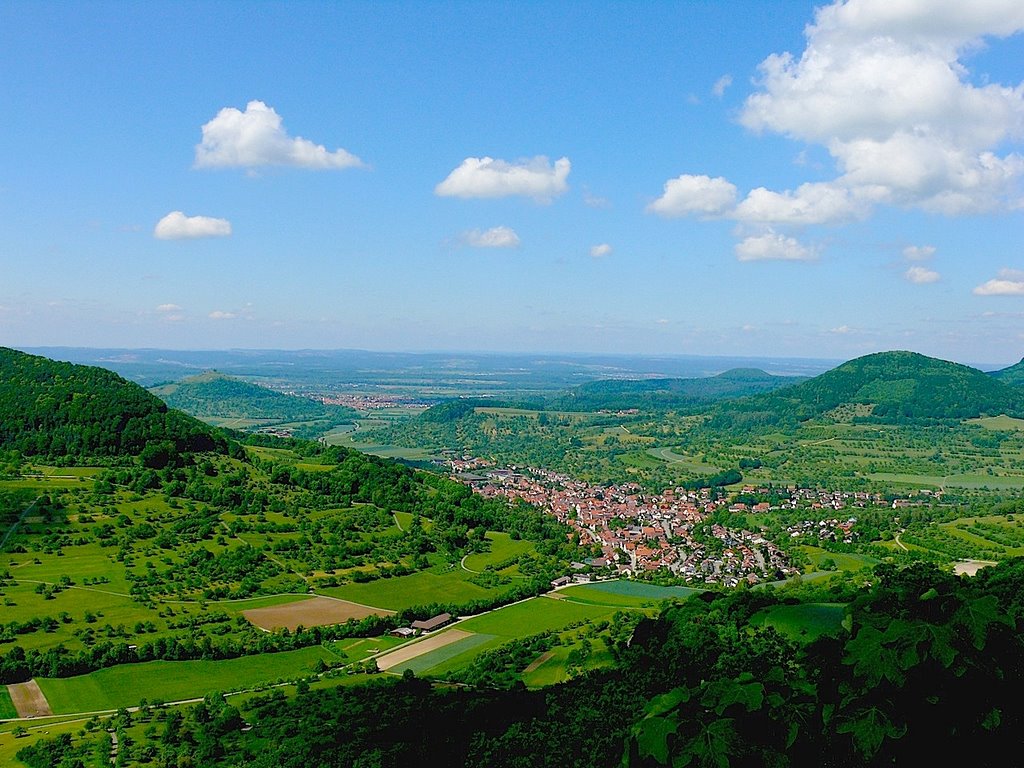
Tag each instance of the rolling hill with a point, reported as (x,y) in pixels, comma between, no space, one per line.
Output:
(663,393)
(213,396)
(885,387)
(1012,375)
(56,409)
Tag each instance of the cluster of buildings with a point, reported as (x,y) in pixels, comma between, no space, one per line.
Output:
(640,532)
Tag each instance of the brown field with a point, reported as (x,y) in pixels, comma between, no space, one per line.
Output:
(29,700)
(408,652)
(316,612)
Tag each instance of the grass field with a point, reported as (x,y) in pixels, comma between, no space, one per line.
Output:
(804,622)
(844,561)
(462,647)
(6,705)
(502,548)
(1002,422)
(126,685)
(622,594)
(554,668)
(440,584)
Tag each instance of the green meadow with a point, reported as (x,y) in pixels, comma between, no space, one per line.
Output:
(805,622)
(6,705)
(440,584)
(126,685)
(501,548)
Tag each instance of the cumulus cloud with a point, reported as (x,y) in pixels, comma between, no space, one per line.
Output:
(257,137)
(218,314)
(495,237)
(841,330)
(772,246)
(883,87)
(177,226)
(919,252)
(485,177)
(695,195)
(597,251)
(168,308)
(813,203)
(922,275)
(718,89)
(1010,282)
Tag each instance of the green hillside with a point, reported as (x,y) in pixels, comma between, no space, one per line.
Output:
(663,393)
(54,409)
(886,387)
(214,396)
(1013,375)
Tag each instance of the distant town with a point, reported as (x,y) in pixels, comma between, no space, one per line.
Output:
(641,533)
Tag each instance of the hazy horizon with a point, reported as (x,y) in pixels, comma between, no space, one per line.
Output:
(767,179)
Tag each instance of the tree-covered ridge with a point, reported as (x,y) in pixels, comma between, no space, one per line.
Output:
(666,393)
(1012,375)
(886,387)
(924,669)
(215,395)
(56,409)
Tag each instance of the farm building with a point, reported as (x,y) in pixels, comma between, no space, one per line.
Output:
(437,622)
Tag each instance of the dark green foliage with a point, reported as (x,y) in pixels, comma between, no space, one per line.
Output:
(894,387)
(65,411)
(1013,375)
(214,395)
(661,394)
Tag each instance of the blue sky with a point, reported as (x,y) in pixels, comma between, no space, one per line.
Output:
(755,178)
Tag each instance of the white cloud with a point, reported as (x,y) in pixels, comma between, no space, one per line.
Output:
(919,252)
(718,89)
(218,314)
(168,308)
(922,275)
(603,249)
(813,203)
(486,177)
(256,137)
(495,237)
(1010,282)
(698,195)
(177,226)
(882,86)
(842,330)
(772,246)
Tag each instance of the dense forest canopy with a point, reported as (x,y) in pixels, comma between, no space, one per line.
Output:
(213,394)
(62,410)
(893,387)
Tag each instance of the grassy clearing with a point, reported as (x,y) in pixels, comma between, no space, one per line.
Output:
(441,584)
(459,653)
(803,622)
(126,685)
(844,561)
(681,461)
(502,548)
(1003,422)
(531,617)
(624,594)
(6,705)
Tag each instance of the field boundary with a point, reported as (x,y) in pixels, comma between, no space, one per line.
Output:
(29,699)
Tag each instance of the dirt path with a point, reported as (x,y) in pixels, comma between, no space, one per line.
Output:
(409,652)
(538,661)
(17,523)
(29,699)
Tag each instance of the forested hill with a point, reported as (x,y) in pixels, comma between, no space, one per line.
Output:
(1014,375)
(214,395)
(664,393)
(56,410)
(886,387)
